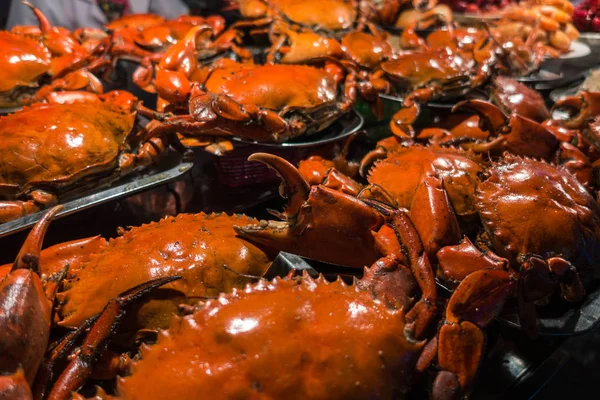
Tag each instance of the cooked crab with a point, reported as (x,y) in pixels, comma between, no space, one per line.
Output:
(270,103)
(51,151)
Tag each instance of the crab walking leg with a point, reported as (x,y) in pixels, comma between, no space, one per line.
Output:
(402,120)
(425,310)
(433,215)
(475,303)
(25,311)
(11,210)
(80,367)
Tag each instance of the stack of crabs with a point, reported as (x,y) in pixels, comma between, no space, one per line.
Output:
(497,200)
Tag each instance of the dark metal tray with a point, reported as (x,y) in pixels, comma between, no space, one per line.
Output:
(445,103)
(172,165)
(345,126)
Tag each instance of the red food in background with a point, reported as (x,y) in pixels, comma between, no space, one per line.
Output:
(476,6)
(586,16)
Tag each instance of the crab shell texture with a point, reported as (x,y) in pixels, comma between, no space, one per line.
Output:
(403,169)
(23,62)
(299,91)
(416,70)
(532,207)
(325,15)
(514,97)
(292,339)
(464,38)
(57,145)
(203,249)
(366,50)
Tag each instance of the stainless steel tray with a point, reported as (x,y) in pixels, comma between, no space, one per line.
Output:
(172,165)
(347,125)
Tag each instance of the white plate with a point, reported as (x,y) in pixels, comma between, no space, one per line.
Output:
(577,50)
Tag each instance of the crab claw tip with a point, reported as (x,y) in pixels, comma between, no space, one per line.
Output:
(295,187)
(29,254)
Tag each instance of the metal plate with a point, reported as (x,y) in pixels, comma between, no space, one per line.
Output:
(345,126)
(567,91)
(444,104)
(578,49)
(395,30)
(590,38)
(541,75)
(10,110)
(476,18)
(172,166)
(560,318)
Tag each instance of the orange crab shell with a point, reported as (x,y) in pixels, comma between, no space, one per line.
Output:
(22,63)
(418,69)
(532,207)
(275,340)
(58,144)
(202,249)
(274,86)
(367,50)
(330,15)
(403,169)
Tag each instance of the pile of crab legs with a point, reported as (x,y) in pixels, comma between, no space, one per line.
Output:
(432,207)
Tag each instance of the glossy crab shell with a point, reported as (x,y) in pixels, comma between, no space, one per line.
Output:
(268,103)
(56,145)
(329,15)
(275,86)
(275,340)
(419,69)
(402,170)
(532,207)
(202,249)
(22,63)
(514,97)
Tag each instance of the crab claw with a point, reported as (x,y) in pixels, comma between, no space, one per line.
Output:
(28,257)
(586,103)
(489,113)
(320,223)
(44,24)
(401,123)
(24,313)
(293,187)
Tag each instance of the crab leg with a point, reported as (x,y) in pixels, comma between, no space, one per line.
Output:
(25,311)
(475,303)
(402,120)
(459,261)
(11,210)
(587,104)
(96,342)
(433,215)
